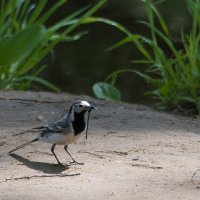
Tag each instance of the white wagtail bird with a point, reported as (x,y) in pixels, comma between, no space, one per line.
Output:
(65,130)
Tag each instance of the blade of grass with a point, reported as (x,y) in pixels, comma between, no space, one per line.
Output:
(124,41)
(38,80)
(66,21)
(90,12)
(37,11)
(52,10)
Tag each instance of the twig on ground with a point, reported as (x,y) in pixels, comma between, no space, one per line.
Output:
(194,175)
(39,176)
(146,166)
(120,153)
(93,154)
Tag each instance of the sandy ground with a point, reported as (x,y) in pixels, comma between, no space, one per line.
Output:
(132,152)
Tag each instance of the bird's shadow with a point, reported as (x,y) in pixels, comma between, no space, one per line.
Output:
(47,168)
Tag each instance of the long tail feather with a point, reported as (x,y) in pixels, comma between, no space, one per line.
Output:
(23,145)
(40,127)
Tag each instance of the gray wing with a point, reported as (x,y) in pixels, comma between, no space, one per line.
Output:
(57,126)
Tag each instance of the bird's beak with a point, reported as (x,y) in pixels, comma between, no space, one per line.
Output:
(92,107)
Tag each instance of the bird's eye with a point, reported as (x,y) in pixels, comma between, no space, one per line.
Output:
(80,105)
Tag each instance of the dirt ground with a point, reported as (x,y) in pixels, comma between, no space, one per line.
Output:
(132,152)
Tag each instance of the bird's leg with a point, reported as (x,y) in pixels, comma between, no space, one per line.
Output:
(74,161)
(52,150)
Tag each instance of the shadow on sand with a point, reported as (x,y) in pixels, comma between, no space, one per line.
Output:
(47,168)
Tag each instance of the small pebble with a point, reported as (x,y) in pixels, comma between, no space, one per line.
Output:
(135,159)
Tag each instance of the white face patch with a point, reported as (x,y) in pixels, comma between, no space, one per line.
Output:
(84,103)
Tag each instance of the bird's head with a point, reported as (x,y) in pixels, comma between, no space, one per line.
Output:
(82,106)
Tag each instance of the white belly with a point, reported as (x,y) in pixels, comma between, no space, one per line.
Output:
(60,138)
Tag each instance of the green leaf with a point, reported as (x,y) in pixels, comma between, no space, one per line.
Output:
(40,81)
(20,45)
(128,39)
(106,91)
(166,89)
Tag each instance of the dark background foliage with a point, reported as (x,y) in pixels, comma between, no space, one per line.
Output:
(74,67)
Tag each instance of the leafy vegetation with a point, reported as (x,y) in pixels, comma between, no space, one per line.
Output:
(175,78)
(106,91)
(25,40)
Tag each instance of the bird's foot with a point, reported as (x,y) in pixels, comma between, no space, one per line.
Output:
(76,163)
(61,165)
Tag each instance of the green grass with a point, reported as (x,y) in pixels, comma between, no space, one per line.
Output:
(25,40)
(175,78)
